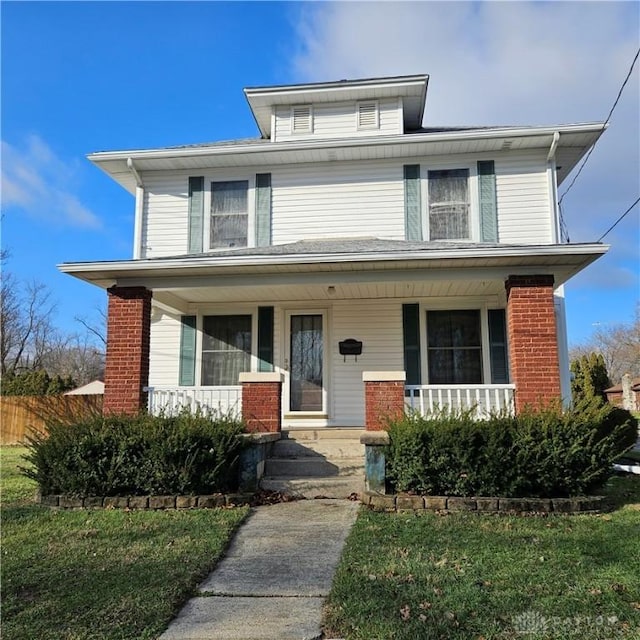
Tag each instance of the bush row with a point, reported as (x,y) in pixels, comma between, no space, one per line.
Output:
(546,453)
(142,455)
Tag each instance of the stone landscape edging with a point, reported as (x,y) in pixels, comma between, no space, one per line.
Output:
(151,503)
(404,502)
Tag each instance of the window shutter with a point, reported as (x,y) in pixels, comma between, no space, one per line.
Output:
(412,204)
(187,375)
(265,338)
(498,346)
(368,115)
(196,214)
(411,342)
(301,119)
(488,201)
(263,209)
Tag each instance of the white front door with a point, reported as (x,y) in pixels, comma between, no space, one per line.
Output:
(305,358)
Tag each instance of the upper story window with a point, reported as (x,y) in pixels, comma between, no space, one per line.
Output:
(229,214)
(448,204)
(302,119)
(368,115)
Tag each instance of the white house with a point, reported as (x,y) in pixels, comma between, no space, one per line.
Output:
(346,245)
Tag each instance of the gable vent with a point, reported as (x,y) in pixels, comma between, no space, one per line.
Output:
(367,115)
(301,119)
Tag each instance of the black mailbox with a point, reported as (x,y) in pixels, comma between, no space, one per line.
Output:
(350,347)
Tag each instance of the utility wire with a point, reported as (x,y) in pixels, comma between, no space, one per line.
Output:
(606,122)
(612,227)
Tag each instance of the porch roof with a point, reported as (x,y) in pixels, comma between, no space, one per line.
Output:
(274,272)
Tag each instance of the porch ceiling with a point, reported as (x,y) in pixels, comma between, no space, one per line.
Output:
(299,272)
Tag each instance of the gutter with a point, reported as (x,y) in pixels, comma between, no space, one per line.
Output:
(137,229)
(552,181)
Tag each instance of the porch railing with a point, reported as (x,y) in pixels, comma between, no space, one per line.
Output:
(170,400)
(483,399)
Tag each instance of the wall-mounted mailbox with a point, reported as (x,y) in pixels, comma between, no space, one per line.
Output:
(350,347)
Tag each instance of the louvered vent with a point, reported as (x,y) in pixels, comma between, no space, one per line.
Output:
(301,119)
(368,115)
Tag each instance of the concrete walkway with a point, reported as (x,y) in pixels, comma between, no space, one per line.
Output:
(273,580)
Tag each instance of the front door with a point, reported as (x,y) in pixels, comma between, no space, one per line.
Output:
(305,362)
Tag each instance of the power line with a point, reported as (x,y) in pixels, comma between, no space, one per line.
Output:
(612,227)
(606,122)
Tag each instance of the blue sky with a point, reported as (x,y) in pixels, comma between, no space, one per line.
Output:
(79,77)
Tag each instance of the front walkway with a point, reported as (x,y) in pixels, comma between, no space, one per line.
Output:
(272,583)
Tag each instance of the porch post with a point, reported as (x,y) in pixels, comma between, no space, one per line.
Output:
(262,401)
(533,340)
(127,366)
(384,397)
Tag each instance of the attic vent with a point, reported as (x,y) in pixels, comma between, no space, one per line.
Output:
(301,119)
(368,115)
(506,145)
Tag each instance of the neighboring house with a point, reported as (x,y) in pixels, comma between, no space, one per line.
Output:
(93,388)
(626,394)
(265,262)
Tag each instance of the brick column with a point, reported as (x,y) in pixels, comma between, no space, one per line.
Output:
(127,367)
(383,397)
(533,340)
(262,401)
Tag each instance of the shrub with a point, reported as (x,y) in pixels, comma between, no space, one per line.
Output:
(546,453)
(140,455)
(35,383)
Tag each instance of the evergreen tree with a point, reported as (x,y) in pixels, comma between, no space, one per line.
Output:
(589,377)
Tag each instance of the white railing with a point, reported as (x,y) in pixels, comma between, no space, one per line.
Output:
(483,399)
(170,400)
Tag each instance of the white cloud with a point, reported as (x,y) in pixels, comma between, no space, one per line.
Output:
(39,183)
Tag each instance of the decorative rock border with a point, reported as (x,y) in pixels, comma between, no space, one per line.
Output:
(148,502)
(403,503)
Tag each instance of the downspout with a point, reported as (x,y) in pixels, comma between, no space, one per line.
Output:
(558,295)
(137,232)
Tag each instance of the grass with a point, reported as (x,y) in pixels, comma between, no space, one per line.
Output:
(109,574)
(467,576)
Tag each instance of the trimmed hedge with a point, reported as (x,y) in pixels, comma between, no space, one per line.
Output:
(538,454)
(140,455)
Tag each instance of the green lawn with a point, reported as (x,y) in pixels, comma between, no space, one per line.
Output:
(99,574)
(487,577)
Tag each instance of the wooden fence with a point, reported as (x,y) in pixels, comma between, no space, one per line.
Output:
(19,415)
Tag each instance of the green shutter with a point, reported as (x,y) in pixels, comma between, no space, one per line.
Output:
(411,342)
(412,204)
(196,214)
(187,373)
(498,346)
(263,209)
(265,338)
(488,201)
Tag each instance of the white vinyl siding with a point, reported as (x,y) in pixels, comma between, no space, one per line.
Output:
(341,199)
(522,189)
(164,354)
(378,324)
(339,120)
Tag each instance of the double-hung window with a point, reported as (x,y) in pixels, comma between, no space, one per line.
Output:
(229,214)
(226,349)
(449,204)
(454,347)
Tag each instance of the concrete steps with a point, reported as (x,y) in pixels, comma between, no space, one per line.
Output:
(315,463)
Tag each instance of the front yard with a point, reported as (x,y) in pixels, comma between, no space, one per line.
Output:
(487,577)
(99,574)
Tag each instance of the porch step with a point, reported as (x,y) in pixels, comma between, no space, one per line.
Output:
(332,443)
(314,465)
(330,487)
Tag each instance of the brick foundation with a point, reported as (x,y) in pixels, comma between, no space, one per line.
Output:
(533,340)
(127,366)
(384,398)
(262,402)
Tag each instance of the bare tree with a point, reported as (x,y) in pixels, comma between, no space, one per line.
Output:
(619,345)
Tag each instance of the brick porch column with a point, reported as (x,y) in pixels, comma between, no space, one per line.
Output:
(533,340)
(383,397)
(127,367)
(262,401)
